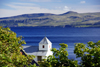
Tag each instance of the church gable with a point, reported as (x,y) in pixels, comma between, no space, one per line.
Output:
(45,44)
(45,40)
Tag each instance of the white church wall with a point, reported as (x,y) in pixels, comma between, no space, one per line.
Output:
(49,47)
(44,57)
(41,47)
(49,53)
(46,46)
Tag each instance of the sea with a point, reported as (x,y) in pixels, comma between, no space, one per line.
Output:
(57,35)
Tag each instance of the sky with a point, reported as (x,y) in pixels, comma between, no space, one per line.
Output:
(18,7)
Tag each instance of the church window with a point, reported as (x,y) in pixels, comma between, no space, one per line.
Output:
(43,46)
(39,58)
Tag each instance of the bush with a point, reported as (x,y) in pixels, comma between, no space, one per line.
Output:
(10,46)
(59,58)
(90,55)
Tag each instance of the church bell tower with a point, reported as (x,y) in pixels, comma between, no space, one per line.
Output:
(45,44)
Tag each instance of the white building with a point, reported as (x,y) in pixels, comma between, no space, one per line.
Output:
(42,51)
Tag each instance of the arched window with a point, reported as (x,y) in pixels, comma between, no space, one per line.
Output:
(43,46)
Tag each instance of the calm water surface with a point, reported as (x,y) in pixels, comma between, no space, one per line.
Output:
(70,36)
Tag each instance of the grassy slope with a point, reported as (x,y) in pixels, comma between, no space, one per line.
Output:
(45,19)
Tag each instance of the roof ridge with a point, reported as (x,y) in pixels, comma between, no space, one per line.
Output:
(45,40)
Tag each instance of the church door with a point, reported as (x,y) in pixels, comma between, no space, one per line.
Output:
(39,58)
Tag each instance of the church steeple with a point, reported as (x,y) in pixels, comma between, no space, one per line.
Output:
(45,40)
(45,44)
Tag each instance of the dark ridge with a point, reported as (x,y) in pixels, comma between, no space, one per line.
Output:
(98,23)
(29,15)
(69,12)
(36,15)
(74,17)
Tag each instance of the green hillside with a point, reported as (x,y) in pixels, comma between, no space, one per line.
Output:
(72,19)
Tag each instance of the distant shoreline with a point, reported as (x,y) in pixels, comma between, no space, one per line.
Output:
(58,26)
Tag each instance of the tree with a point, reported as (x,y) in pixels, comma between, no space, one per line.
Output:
(10,46)
(59,58)
(90,54)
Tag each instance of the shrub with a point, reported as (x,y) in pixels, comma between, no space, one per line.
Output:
(10,46)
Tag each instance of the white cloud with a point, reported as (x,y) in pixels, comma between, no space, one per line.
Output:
(37,0)
(42,0)
(7,13)
(66,8)
(29,8)
(23,4)
(82,2)
(19,9)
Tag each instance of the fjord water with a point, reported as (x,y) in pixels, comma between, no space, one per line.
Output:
(67,35)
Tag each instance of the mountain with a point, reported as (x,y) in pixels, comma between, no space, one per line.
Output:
(70,19)
(70,12)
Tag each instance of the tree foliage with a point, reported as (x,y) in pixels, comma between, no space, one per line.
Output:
(90,54)
(59,58)
(10,46)
(10,55)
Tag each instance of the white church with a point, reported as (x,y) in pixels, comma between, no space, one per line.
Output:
(40,52)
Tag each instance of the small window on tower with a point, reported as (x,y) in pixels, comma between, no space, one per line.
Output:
(43,46)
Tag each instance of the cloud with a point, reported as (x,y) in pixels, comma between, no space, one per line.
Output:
(7,13)
(63,8)
(23,4)
(29,8)
(82,2)
(66,8)
(37,0)
(42,0)
(26,9)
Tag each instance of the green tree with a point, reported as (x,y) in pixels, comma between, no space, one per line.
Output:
(59,58)
(90,54)
(10,46)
